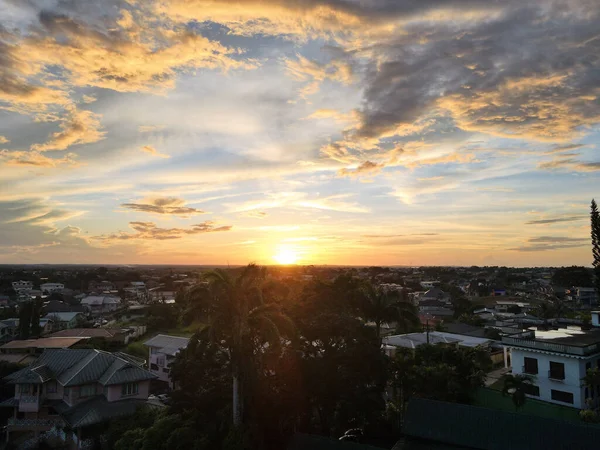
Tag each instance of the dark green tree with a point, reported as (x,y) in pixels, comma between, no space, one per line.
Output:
(595,225)
(517,387)
(36,312)
(25,314)
(381,306)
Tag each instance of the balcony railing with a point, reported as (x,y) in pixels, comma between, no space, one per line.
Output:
(29,403)
(550,346)
(33,423)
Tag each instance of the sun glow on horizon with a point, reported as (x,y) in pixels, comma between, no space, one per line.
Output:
(286,255)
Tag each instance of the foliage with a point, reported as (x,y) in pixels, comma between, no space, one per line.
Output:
(471,319)
(162,316)
(381,306)
(36,312)
(516,386)
(588,415)
(595,232)
(137,348)
(572,276)
(25,315)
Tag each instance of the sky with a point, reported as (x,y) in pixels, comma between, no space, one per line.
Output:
(352,132)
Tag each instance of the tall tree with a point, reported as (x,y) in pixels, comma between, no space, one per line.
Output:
(595,225)
(240,317)
(36,311)
(25,313)
(381,306)
(517,386)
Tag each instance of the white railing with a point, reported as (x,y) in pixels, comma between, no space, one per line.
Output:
(551,347)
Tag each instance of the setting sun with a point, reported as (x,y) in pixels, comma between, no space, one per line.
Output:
(286,256)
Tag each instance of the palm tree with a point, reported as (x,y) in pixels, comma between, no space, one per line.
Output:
(382,306)
(241,320)
(517,386)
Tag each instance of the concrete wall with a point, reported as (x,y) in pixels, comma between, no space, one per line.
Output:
(153,359)
(574,372)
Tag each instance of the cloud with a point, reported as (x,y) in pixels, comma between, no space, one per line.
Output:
(295,200)
(256,214)
(554,239)
(154,152)
(36,159)
(163,205)
(364,168)
(4,140)
(88,99)
(149,128)
(545,243)
(564,161)
(149,231)
(79,127)
(555,220)
(314,73)
(564,148)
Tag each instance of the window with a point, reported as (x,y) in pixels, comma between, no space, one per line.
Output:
(160,361)
(24,388)
(129,389)
(165,370)
(561,396)
(557,371)
(530,366)
(531,389)
(51,387)
(153,366)
(87,391)
(153,351)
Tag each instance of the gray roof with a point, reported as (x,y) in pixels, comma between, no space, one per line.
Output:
(63,316)
(98,409)
(169,345)
(73,367)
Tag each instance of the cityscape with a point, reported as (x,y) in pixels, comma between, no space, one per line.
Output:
(299,225)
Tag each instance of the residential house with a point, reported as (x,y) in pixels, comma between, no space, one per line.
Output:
(162,350)
(54,306)
(64,320)
(558,360)
(120,336)
(435,294)
(9,329)
(505,305)
(161,294)
(101,286)
(48,288)
(428,284)
(22,286)
(33,346)
(4,300)
(101,304)
(75,388)
(586,296)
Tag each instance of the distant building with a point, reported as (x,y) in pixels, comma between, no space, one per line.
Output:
(63,320)
(558,361)
(101,304)
(22,286)
(428,284)
(162,350)
(414,340)
(505,305)
(586,296)
(49,288)
(435,294)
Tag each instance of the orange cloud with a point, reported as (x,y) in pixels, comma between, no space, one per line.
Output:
(79,127)
(154,152)
(149,230)
(163,205)
(364,168)
(36,159)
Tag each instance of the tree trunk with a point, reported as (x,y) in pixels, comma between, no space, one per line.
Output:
(237,416)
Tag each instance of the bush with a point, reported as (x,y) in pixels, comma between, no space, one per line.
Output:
(587,415)
(138,349)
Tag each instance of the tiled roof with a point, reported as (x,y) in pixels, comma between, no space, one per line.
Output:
(88,332)
(168,344)
(44,343)
(81,366)
(63,316)
(98,409)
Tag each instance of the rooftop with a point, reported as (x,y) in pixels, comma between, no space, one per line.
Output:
(564,340)
(47,342)
(82,366)
(89,332)
(168,344)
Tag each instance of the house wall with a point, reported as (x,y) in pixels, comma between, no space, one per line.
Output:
(114,392)
(574,372)
(160,372)
(58,395)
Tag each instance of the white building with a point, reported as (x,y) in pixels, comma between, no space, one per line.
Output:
(558,361)
(101,304)
(162,350)
(51,287)
(22,287)
(428,284)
